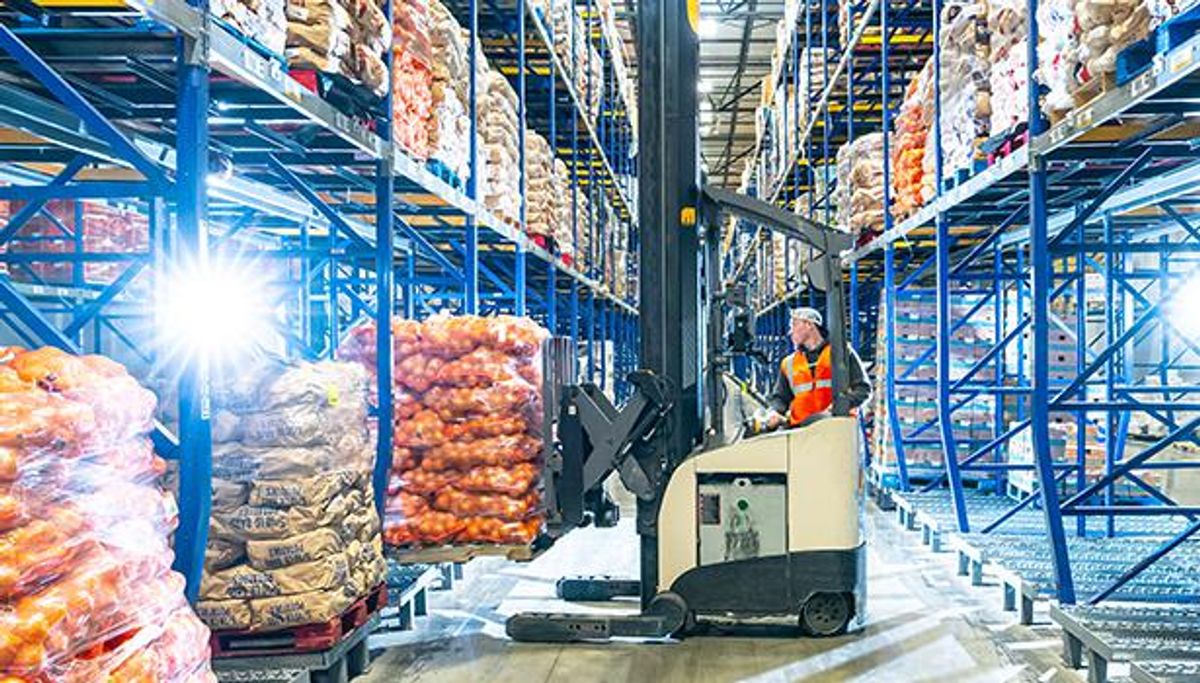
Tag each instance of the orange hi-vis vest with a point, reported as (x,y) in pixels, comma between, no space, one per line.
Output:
(812,388)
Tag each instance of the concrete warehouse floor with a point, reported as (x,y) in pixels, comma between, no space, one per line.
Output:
(925,624)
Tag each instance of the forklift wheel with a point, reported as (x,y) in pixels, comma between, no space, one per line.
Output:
(825,614)
(674,609)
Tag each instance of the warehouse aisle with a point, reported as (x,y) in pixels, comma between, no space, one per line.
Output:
(926,625)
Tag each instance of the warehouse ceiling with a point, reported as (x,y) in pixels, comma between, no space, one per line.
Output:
(736,40)
(737,37)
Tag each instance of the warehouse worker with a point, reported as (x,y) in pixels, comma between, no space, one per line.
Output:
(804,385)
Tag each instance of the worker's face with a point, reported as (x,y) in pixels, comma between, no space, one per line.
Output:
(805,334)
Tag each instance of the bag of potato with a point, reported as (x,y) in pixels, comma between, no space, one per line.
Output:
(304,492)
(297,610)
(245,582)
(225,615)
(239,463)
(281,552)
(223,553)
(250,522)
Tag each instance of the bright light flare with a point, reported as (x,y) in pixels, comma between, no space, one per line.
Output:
(1184,309)
(220,312)
(709,28)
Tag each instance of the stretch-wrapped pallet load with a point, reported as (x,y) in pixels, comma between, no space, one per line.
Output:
(467,429)
(343,38)
(1008,81)
(413,61)
(295,538)
(910,141)
(859,188)
(106,230)
(497,112)
(916,405)
(1058,55)
(263,21)
(86,587)
(450,125)
(965,97)
(541,210)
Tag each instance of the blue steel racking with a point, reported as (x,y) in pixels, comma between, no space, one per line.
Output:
(131,102)
(1097,208)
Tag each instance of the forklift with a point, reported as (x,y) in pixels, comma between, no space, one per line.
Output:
(744,527)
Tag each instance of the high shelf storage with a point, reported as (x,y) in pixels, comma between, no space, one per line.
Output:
(116,103)
(1031,337)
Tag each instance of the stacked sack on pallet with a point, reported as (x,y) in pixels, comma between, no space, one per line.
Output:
(1008,81)
(912,181)
(106,230)
(263,21)
(450,125)
(295,537)
(541,202)
(86,587)
(860,186)
(498,121)
(1079,41)
(576,54)
(468,444)
(342,37)
(413,61)
(564,230)
(965,99)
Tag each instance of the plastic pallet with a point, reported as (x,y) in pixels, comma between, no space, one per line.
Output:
(345,660)
(253,44)
(1134,60)
(300,639)
(962,175)
(443,172)
(1178,29)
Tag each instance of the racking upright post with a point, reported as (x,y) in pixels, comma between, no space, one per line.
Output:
(942,264)
(471,253)
(385,245)
(519,293)
(1041,288)
(191,251)
(551,267)
(889,256)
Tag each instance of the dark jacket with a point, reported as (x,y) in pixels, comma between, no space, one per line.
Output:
(859,389)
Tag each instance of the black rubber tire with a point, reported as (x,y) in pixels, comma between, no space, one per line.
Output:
(675,609)
(825,614)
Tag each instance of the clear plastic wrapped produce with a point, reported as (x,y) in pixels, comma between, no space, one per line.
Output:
(859,191)
(911,187)
(84,526)
(1008,81)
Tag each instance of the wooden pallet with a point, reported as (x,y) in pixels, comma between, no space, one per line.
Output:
(460,553)
(300,639)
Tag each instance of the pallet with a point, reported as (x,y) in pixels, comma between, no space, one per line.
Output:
(408,594)
(301,639)
(1003,145)
(443,172)
(262,50)
(345,660)
(962,175)
(460,553)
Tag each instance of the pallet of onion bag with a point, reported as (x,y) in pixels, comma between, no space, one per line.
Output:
(294,541)
(467,425)
(86,587)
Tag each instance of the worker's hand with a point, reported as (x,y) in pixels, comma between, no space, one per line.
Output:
(775,421)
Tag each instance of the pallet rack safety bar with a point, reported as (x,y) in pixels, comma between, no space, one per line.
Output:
(1070,251)
(333,197)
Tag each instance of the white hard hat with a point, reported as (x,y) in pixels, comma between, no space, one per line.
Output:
(812,315)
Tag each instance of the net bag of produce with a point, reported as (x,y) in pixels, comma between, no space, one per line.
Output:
(467,432)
